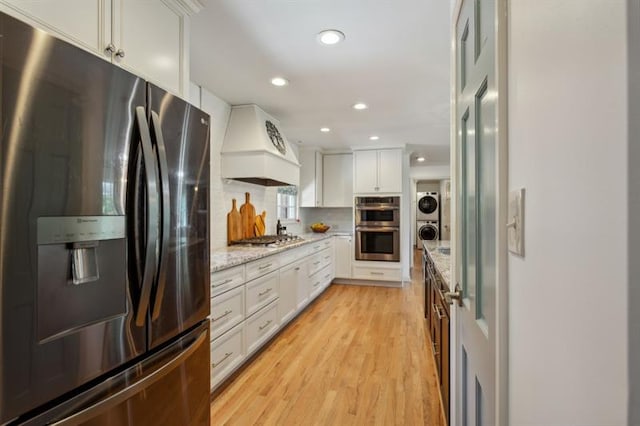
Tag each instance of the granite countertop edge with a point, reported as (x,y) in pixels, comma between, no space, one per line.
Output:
(441,260)
(228,257)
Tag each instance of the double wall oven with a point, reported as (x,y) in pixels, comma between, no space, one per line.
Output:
(378,228)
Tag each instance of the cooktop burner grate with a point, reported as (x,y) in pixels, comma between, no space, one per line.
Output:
(268,239)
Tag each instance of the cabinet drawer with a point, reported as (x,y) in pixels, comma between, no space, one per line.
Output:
(227,310)
(328,243)
(226,280)
(261,327)
(316,285)
(378,274)
(326,257)
(291,256)
(227,353)
(261,292)
(314,264)
(261,267)
(317,246)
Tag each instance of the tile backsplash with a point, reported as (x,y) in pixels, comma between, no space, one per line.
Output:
(340,219)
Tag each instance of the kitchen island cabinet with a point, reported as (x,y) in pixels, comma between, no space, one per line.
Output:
(437,311)
(148,38)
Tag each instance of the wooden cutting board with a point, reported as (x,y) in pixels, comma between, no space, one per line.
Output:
(234,224)
(248,213)
(261,224)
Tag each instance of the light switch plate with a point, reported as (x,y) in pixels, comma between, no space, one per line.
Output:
(515,222)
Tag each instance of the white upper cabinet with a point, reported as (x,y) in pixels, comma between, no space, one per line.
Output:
(148,38)
(150,35)
(377,171)
(310,178)
(338,180)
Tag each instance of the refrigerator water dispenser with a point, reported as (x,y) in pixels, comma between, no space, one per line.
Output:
(81,273)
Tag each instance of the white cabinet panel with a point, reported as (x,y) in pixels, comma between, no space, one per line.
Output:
(337,180)
(390,170)
(226,280)
(365,171)
(310,178)
(344,255)
(227,353)
(378,171)
(261,292)
(261,327)
(227,310)
(151,35)
(290,277)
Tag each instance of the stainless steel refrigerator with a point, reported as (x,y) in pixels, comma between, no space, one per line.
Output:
(104,242)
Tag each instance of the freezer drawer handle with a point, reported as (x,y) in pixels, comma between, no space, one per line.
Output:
(227,312)
(226,355)
(121,396)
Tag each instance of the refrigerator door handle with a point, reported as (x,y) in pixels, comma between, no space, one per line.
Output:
(124,394)
(164,212)
(149,268)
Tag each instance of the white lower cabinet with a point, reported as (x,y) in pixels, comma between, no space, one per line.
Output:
(251,302)
(344,255)
(227,353)
(377,273)
(261,326)
(292,281)
(227,310)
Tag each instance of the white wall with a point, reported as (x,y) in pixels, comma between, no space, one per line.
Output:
(567,147)
(223,191)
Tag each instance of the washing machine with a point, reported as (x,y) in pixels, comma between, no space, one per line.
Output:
(428,206)
(428,230)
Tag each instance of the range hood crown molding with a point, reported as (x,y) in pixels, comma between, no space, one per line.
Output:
(249,155)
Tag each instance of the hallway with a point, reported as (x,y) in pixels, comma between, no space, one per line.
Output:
(358,355)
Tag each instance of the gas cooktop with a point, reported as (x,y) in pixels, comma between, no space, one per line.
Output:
(269,240)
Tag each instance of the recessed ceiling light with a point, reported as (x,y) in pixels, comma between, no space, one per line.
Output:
(360,106)
(279,81)
(330,37)
(325,129)
(374,138)
(420,159)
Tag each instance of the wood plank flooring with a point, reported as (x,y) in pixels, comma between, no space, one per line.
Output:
(357,356)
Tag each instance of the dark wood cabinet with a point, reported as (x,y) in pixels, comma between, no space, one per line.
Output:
(437,316)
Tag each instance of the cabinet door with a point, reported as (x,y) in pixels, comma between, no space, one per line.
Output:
(152,35)
(290,277)
(310,178)
(365,171)
(390,170)
(344,254)
(338,180)
(304,283)
(92,31)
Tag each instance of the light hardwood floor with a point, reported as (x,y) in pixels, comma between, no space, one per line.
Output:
(356,356)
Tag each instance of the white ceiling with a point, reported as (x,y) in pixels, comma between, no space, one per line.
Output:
(395,58)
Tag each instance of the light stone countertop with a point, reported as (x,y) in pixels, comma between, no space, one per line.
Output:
(442,261)
(226,257)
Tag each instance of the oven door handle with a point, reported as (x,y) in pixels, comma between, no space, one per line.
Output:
(379,209)
(377,228)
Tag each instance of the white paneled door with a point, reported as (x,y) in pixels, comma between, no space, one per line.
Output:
(479,184)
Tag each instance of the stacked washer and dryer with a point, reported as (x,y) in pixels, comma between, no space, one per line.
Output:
(427,217)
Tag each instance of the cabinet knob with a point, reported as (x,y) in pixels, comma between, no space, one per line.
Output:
(120,53)
(110,48)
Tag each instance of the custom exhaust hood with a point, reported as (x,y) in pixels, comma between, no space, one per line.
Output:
(255,151)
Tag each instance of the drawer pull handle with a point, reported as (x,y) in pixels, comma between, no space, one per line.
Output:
(264,292)
(227,312)
(327,257)
(226,355)
(265,325)
(436,309)
(268,265)
(227,281)
(327,276)
(316,284)
(316,263)
(435,350)
(316,247)
(376,273)
(297,269)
